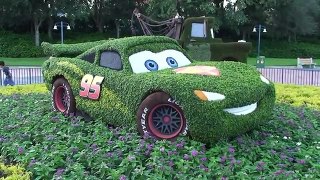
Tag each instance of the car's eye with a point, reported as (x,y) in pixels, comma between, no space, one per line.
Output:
(172,62)
(151,65)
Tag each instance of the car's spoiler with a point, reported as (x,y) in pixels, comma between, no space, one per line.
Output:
(68,50)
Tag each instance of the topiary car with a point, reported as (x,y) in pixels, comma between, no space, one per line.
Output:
(151,83)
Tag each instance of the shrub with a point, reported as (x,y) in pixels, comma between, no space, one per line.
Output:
(15,45)
(236,51)
(23,89)
(13,172)
(299,95)
(282,49)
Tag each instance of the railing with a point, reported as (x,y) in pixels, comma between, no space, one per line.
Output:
(25,75)
(279,75)
(292,76)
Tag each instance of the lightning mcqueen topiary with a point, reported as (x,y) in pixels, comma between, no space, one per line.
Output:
(150,82)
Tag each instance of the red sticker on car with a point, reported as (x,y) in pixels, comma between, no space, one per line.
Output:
(91,86)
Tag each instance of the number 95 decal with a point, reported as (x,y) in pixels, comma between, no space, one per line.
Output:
(91,86)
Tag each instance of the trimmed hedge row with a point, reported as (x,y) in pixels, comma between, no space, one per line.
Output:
(122,91)
(282,49)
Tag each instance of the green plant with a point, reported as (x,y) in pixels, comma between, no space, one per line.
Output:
(298,95)
(23,89)
(13,172)
(123,91)
(68,50)
(15,45)
(50,145)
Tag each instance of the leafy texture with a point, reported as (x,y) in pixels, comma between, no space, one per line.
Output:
(299,95)
(122,91)
(52,146)
(13,173)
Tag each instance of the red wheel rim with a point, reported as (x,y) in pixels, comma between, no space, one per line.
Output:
(165,121)
(61,99)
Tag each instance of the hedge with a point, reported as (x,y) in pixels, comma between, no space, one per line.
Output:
(16,45)
(283,49)
(122,91)
(232,51)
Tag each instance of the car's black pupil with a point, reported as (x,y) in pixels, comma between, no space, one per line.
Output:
(151,65)
(171,61)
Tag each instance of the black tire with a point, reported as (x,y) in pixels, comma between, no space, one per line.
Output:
(161,117)
(62,97)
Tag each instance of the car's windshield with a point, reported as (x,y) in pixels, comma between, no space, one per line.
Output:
(147,61)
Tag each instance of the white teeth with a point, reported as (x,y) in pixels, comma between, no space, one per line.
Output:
(242,110)
(265,80)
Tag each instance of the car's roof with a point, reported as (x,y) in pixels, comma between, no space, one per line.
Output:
(124,43)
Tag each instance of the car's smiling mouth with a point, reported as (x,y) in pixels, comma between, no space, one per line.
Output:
(244,110)
(210,96)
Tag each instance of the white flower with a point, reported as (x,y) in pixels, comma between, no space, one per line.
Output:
(318,147)
(299,143)
(285,137)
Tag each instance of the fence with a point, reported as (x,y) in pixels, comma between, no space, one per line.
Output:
(292,76)
(279,75)
(25,75)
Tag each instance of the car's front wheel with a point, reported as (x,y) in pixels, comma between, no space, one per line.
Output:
(62,97)
(159,116)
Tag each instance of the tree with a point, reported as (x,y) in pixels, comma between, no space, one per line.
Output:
(297,17)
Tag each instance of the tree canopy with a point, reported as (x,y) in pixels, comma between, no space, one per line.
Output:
(284,19)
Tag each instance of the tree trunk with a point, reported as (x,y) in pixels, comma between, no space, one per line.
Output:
(37,36)
(100,27)
(50,26)
(37,23)
(117,28)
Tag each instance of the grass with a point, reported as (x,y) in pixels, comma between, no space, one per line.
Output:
(50,145)
(23,61)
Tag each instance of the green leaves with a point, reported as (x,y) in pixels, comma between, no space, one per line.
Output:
(51,147)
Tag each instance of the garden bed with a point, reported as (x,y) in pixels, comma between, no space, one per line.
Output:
(51,145)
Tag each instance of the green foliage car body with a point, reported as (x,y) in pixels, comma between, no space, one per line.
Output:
(144,78)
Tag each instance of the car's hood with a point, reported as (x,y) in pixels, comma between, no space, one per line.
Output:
(235,81)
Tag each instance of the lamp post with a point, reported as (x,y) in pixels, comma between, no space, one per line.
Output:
(61,24)
(260,59)
(264,29)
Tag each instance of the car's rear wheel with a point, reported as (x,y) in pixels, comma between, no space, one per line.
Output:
(62,97)
(159,116)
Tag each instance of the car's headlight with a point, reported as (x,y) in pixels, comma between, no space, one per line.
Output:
(263,79)
(209,96)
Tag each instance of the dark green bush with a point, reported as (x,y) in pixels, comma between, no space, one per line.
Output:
(233,51)
(283,49)
(16,45)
